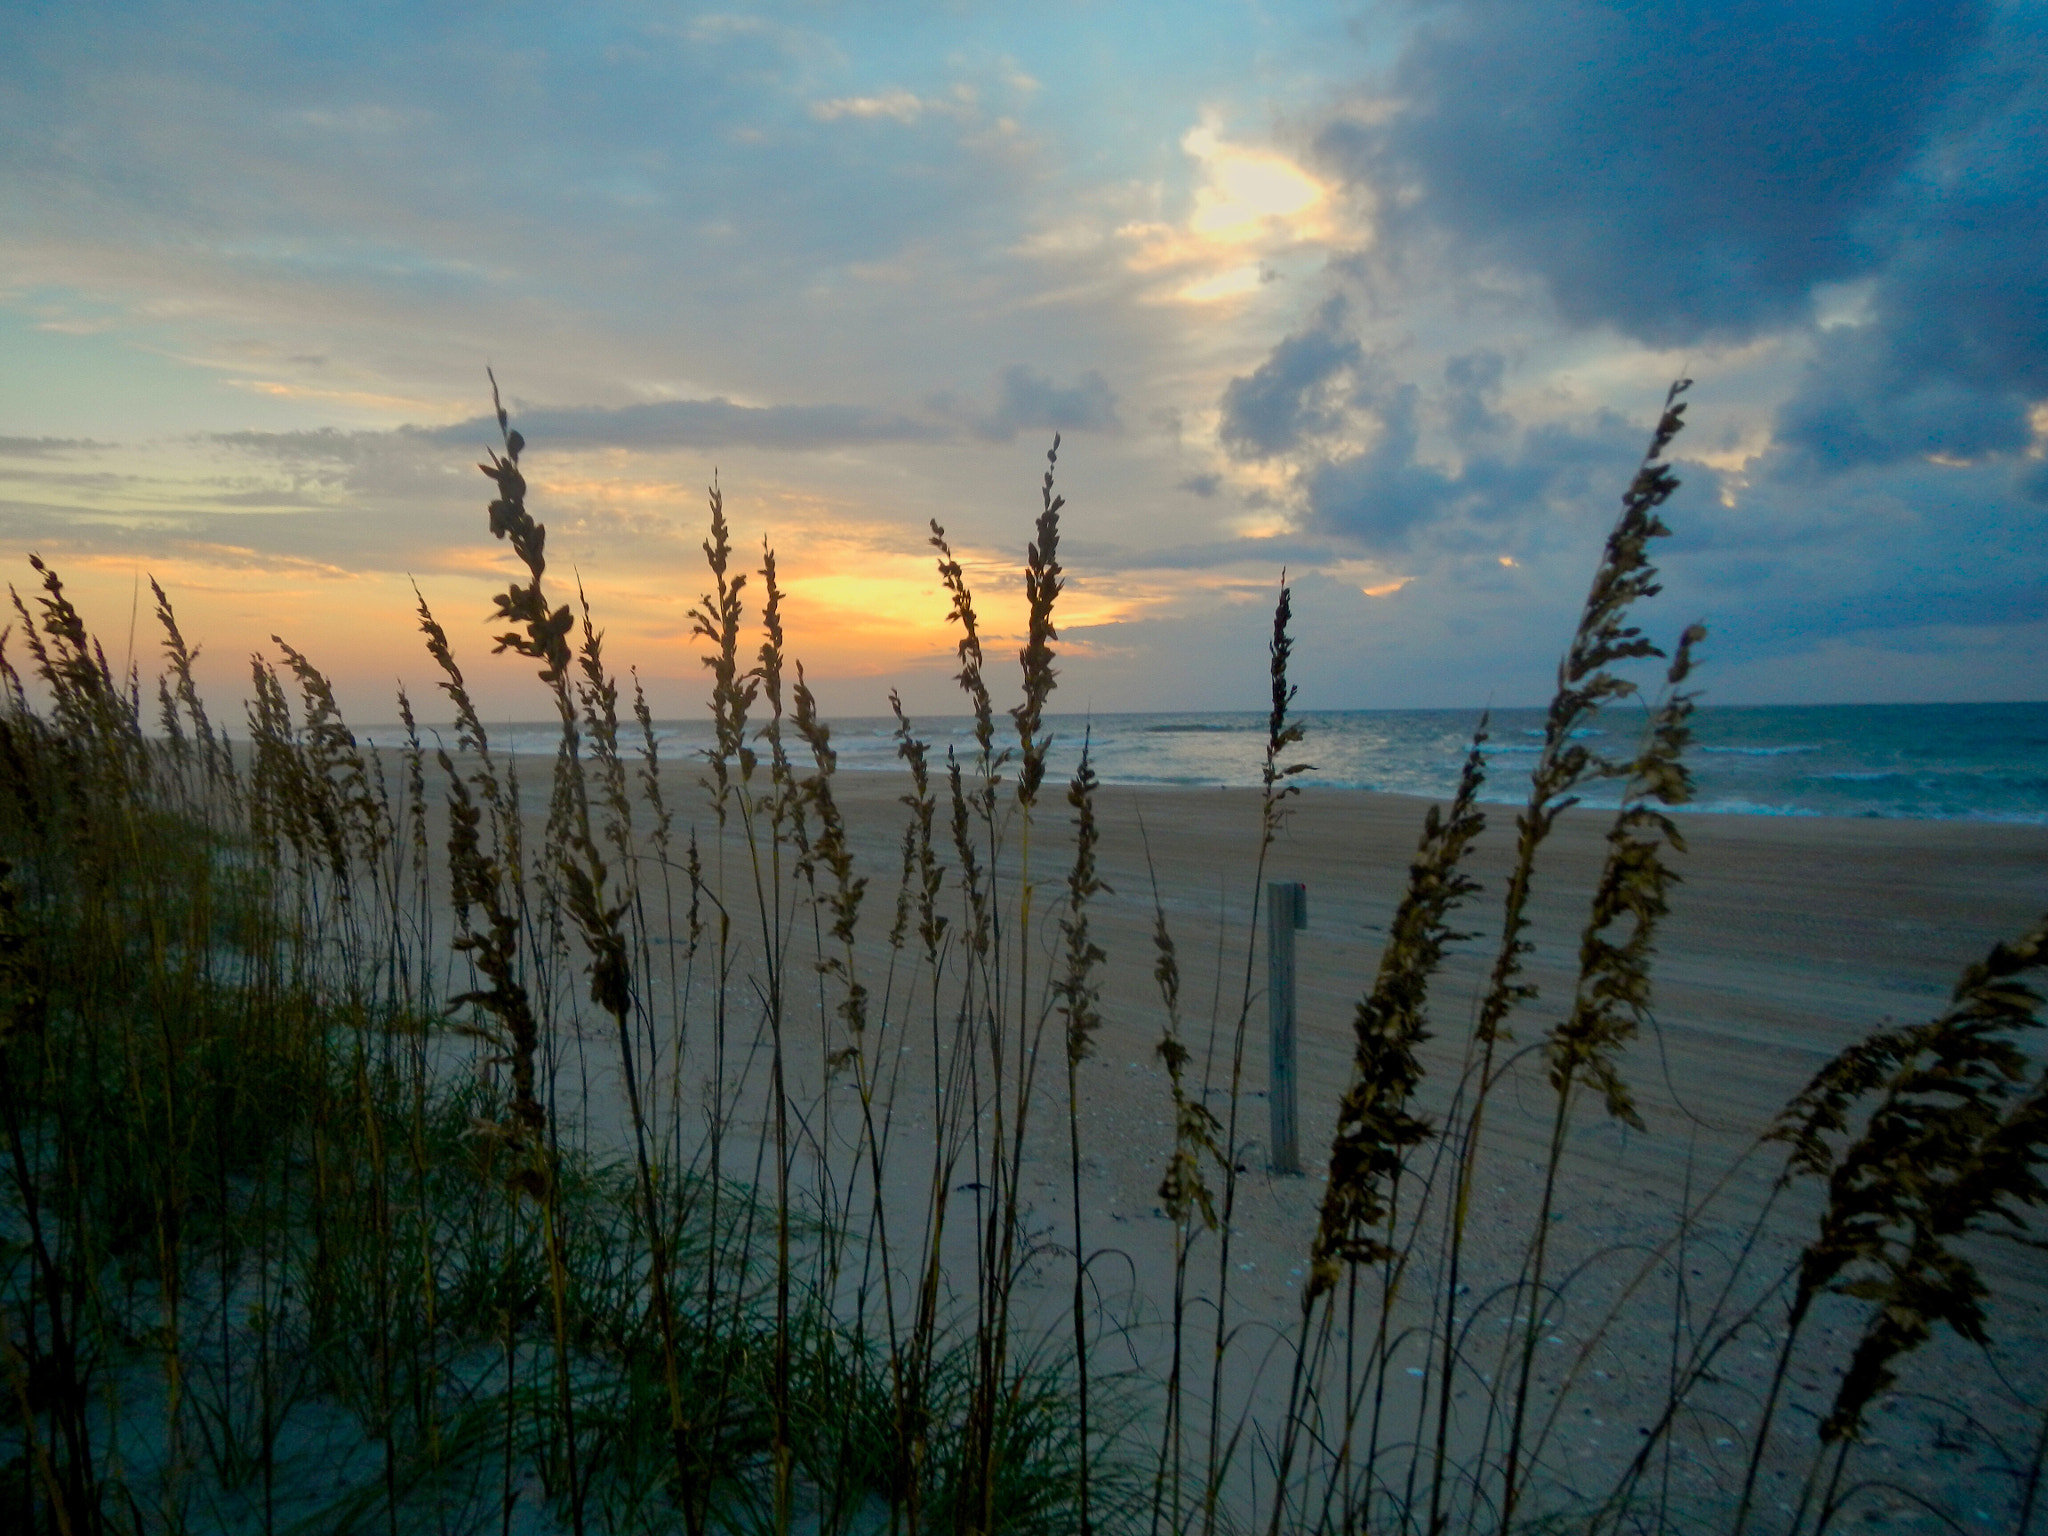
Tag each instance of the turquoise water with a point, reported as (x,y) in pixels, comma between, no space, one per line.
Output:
(1979,762)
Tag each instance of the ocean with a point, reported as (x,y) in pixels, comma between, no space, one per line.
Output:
(1970,762)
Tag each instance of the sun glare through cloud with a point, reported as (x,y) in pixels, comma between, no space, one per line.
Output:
(1293,297)
(1249,208)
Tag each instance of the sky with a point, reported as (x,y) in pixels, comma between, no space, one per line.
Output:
(1383,295)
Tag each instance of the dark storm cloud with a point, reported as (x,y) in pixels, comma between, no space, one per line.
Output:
(1385,496)
(1470,383)
(1319,394)
(1955,348)
(1890,550)
(1030,402)
(1865,401)
(1676,171)
(1696,174)
(1287,399)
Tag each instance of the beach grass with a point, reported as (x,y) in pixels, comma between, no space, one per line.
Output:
(419,1137)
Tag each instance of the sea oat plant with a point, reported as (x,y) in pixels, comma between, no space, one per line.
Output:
(1377,1130)
(1278,784)
(295,1181)
(1952,1147)
(1585,682)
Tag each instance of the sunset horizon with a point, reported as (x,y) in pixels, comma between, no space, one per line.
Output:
(1288,301)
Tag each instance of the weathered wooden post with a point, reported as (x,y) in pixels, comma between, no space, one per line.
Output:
(1286,910)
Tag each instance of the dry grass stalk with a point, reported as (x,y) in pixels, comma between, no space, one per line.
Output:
(1612,996)
(215,760)
(1079,995)
(717,621)
(924,882)
(924,877)
(1183,1191)
(784,810)
(954,578)
(543,635)
(333,776)
(982,1019)
(1376,1130)
(1928,1138)
(481,885)
(86,702)
(1604,637)
(1277,786)
(1375,1126)
(1042,584)
(1952,1147)
(1281,732)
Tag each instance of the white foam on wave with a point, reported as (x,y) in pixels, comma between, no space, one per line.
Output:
(1798,749)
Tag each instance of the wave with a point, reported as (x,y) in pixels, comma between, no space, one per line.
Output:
(1746,808)
(1906,812)
(1796,750)
(1847,761)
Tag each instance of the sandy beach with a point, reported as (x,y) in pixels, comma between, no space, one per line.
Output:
(1788,939)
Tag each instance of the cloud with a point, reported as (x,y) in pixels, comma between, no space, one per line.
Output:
(1249,207)
(358,543)
(1290,550)
(1027,401)
(654,426)
(2032,482)
(1900,554)
(339,222)
(896,105)
(716,423)
(1678,172)
(48,447)
(1388,496)
(616,169)
(1696,178)
(323,445)
(1354,436)
(1297,393)
(1950,356)
(1865,400)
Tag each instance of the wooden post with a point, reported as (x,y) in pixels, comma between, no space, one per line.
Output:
(1286,910)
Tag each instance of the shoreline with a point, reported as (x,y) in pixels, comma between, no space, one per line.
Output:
(1309,786)
(1943,763)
